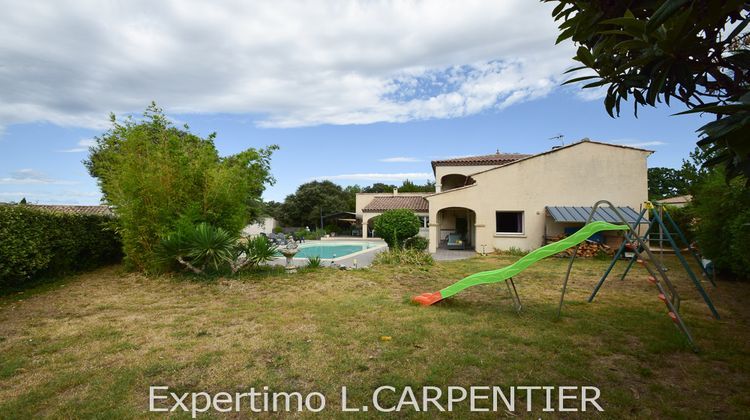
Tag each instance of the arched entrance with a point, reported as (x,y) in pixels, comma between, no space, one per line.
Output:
(456,228)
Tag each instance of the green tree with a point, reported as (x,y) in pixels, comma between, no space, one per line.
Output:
(271,208)
(666,182)
(351,192)
(723,222)
(379,187)
(694,52)
(304,207)
(396,226)
(159,177)
(408,186)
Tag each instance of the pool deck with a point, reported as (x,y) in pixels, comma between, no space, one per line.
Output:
(363,258)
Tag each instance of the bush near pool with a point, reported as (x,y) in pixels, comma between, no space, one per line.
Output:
(395,226)
(36,243)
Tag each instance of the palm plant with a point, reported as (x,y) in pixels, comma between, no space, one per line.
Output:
(260,250)
(314,262)
(253,252)
(203,246)
(211,246)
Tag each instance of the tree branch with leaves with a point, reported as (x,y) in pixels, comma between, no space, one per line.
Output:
(652,51)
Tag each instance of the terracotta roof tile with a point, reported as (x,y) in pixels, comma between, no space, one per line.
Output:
(493,159)
(414,203)
(677,199)
(86,210)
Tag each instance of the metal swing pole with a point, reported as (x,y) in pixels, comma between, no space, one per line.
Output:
(636,236)
(635,256)
(616,257)
(573,257)
(672,301)
(682,237)
(692,276)
(514,294)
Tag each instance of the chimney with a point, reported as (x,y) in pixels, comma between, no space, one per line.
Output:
(395,191)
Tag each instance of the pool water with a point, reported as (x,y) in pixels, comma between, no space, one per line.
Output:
(330,251)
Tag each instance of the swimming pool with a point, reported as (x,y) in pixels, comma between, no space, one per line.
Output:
(333,249)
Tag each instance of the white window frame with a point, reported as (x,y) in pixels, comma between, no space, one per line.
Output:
(513,234)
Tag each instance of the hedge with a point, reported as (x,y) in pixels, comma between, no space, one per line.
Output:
(38,243)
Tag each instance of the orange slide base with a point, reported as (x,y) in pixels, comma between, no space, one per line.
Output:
(427,299)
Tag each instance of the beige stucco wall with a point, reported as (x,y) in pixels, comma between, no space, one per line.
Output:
(264,225)
(578,175)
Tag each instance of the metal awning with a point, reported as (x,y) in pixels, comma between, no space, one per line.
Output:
(576,214)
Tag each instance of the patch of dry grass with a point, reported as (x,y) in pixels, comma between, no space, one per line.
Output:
(91,345)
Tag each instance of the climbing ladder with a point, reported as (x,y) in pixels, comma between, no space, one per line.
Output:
(657,220)
(669,296)
(657,275)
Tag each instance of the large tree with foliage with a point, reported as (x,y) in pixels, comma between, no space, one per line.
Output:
(666,182)
(723,229)
(406,186)
(694,52)
(159,178)
(409,186)
(718,217)
(305,206)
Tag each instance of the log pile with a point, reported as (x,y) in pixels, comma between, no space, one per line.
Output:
(587,249)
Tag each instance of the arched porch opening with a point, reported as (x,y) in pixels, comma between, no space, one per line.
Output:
(456,228)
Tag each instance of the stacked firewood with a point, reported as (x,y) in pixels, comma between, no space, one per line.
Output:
(587,249)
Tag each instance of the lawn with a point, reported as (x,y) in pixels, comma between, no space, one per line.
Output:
(91,345)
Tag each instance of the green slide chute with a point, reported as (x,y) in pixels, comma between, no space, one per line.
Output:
(502,274)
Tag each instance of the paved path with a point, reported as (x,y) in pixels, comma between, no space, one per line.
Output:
(452,255)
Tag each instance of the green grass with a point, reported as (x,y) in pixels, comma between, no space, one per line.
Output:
(90,345)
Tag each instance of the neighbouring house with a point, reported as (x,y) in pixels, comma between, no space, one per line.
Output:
(264,225)
(678,201)
(99,210)
(503,201)
(371,205)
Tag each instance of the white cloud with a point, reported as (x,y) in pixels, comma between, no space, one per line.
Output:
(30,177)
(399,159)
(592,94)
(379,177)
(82,146)
(637,143)
(292,63)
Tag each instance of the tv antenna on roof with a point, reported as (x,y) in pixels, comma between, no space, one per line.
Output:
(558,137)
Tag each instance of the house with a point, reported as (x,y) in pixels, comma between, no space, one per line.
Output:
(264,225)
(99,210)
(503,201)
(371,205)
(677,201)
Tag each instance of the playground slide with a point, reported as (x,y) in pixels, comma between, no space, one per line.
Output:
(496,276)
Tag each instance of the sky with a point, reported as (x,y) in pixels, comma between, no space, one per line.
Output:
(352,91)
